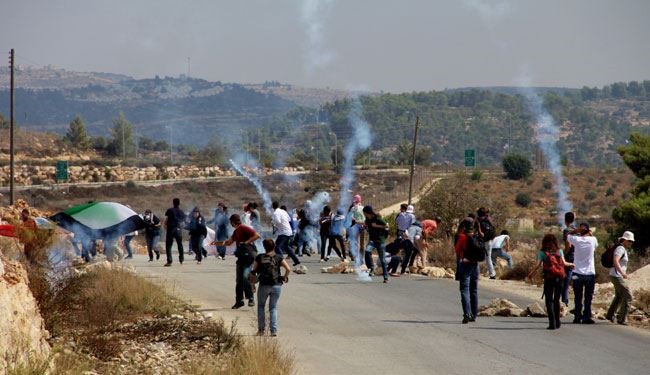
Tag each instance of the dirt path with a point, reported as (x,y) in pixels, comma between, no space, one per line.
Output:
(416,198)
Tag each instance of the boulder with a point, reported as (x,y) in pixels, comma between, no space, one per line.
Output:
(535,310)
(300,269)
(23,337)
(437,272)
(339,268)
(500,307)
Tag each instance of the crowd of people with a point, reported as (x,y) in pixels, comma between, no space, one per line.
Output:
(262,255)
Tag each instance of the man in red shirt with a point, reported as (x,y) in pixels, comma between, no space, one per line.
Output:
(467,273)
(244,237)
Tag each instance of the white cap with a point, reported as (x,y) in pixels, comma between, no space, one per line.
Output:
(410,209)
(627,235)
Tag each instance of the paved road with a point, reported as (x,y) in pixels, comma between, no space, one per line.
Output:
(336,325)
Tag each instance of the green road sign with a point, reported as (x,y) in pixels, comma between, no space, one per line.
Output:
(470,158)
(61,170)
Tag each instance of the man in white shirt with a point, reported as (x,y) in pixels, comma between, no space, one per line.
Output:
(282,227)
(584,273)
(617,274)
(501,248)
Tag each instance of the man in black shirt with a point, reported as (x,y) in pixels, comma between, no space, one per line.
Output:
(174,221)
(569,222)
(377,233)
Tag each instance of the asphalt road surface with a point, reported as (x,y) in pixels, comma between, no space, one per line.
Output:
(336,325)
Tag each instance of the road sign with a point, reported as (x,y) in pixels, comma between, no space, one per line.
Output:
(61,170)
(470,158)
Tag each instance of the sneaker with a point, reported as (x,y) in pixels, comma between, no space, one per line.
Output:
(260,333)
(572,311)
(251,303)
(493,277)
(168,264)
(472,318)
(327,259)
(296,264)
(151,259)
(622,323)
(550,327)
(588,321)
(129,257)
(385,281)
(237,305)
(610,318)
(576,321)
(322,260)
(157,256)
(465,319)
(274,334)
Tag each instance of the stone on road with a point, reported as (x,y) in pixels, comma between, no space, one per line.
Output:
(336,325)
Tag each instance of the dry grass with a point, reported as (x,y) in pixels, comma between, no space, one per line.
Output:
(522,268)
(642,299)
(441,254)
(261,356)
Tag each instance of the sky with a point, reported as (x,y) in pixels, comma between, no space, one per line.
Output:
(390,45)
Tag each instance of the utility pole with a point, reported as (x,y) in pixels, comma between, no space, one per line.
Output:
(415,143)
(11,127)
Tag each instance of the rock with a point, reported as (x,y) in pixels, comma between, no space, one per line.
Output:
(101,265)
(325,270)
(536,310)
(500,307)
(23,337)
(338,268)
(436,272)
(490,311)
(300,269)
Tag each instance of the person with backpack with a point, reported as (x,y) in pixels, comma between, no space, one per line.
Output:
(266,270)
(584,272)
(244,237)
(617,274)
(377,233)
(487,231)
(551,259)
(152,233)
(197,229)
(569,223)
(470,250)
(174,221)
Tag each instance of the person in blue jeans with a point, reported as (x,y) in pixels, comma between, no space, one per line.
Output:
(467,274)
(266,270)
(152,233)
(584,273)
(377,233)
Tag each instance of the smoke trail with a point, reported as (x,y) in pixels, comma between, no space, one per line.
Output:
(547,134)
(266,198)
(312,14)
(490,11)
(360,141)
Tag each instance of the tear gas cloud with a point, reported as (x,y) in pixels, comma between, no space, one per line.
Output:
(266,198)
(313,13)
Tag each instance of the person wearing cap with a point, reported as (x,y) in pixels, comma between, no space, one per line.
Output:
(377,233)
(584,273)
(198,231)
(403,221)
(220,221)
(617,274)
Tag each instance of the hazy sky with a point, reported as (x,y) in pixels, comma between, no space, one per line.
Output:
(392,45)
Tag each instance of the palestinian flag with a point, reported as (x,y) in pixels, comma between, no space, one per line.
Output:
(99,220)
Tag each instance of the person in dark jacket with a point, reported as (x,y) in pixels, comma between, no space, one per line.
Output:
(325,223)
(152,233)
(220,221)
(198,231)
(467,272)
(174,219)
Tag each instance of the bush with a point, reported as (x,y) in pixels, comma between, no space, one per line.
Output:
(441,254)
(522,268)
(130,184)
(517,166)
(260,356)
(590,195)
(642,299)
(609,192)
(523,199)
(476,176)
(548,185)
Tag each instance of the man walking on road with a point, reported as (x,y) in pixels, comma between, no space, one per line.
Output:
(584,273)
(174,221)
(282,224)
(377,233)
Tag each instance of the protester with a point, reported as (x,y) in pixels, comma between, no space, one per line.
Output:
(336,235)
(569,220)
(255,221)
(395,260)
(377,233)
(127,244)
(551,258)
(584,273)
(467,272)
(501,248)
(152,233)
(325,223)
(244,238)
(220,221)
(357,219)
(617,274)
(304,234)
(487,231)
(246,216)
(198,231)
(267,271)
(282,225)
(27,234)
(403,222)
(174,219)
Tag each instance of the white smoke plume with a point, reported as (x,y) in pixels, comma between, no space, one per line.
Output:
(359,142)
(266,198)
(313,14)
(547,134)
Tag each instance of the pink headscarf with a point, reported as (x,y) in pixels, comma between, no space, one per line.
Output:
(356,199)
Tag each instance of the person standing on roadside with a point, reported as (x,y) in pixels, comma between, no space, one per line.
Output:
(467,272)
(584,273)
(152,233)
(244,238)
(377,233)
(198,231)
(282,225)
(220,221)
(569,222)
(174,219)
(267,270)
(551,258)
(617,274)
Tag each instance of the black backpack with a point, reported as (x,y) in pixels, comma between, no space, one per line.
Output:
(607,259)
(269,271)
(488,230)
(246,253)
(475,249)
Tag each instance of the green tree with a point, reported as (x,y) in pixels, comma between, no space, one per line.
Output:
(122,143)
(77,135)
(517,166)
(634,213)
